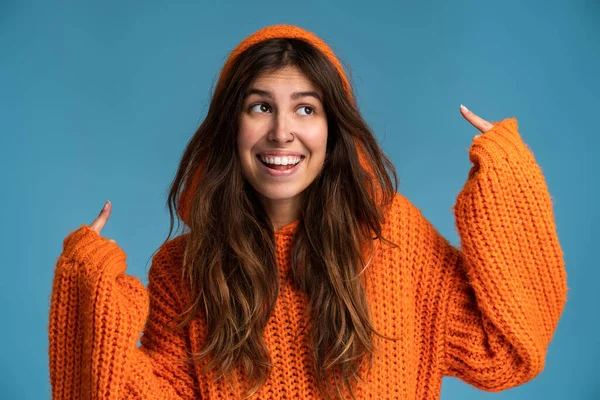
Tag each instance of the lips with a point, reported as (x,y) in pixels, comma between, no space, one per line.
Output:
(279,171)
(280,153)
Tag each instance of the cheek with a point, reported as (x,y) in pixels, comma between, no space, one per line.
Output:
(316,141)
(247,138)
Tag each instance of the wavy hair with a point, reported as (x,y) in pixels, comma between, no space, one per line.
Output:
(229,263)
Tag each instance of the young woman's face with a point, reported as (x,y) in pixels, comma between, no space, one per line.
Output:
(282,136)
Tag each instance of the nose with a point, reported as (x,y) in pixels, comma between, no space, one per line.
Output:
(280,131)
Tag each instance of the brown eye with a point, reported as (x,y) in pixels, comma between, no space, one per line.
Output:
(260,108)
(308,110)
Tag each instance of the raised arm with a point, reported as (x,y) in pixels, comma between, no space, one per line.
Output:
(504,291)
(495,303)
(97,313)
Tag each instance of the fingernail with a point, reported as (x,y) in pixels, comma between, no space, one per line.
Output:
(464,108)
(106,205)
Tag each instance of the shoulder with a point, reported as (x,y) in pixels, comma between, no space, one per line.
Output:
(402,213)
(167,262)
(171,250)
(405,224)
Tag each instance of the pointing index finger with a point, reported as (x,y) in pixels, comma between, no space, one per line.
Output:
(100,221)
(475,120)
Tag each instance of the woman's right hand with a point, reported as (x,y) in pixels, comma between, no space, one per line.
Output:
(100,221)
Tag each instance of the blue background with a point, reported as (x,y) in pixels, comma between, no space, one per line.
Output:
(98,100)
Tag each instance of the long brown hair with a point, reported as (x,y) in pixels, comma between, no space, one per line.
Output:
(229,261)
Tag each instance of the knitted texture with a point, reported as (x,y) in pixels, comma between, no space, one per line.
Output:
(484,313)
(287,32)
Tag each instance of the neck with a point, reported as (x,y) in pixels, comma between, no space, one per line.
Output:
(282,212)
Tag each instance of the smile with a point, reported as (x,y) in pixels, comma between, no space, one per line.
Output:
(279,166)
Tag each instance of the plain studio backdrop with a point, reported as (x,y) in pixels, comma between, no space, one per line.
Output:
(98,99)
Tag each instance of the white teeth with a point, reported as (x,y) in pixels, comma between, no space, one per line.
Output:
(280,160)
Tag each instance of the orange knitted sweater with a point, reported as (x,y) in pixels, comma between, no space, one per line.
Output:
(485,313)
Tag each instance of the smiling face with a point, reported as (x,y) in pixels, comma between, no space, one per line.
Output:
(282,137)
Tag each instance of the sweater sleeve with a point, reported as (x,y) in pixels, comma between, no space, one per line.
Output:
(97,313)
(503,293)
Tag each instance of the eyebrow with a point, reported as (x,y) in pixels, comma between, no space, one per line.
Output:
(295,95)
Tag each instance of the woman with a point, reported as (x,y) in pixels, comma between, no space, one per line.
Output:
(303,273)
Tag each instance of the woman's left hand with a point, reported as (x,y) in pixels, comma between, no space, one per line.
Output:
(476,121)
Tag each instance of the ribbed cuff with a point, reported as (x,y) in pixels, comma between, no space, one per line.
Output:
(501,143)
(86,247)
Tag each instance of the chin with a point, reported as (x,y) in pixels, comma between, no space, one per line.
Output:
(279,194)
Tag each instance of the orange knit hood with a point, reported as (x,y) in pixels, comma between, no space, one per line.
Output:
(270,32)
